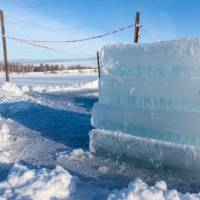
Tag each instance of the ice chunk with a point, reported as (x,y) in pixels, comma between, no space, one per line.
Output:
(162,58)
(103,169)
(25,89)
(172,126)
(154,152)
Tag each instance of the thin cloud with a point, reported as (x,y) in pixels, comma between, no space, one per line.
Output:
(25,22)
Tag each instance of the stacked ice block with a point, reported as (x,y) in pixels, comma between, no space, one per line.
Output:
(149,102)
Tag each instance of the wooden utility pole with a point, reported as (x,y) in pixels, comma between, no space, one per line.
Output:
(4,46)
(98,64)
(137,27)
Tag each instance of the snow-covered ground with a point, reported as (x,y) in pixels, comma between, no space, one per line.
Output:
(42,79)
(44,126)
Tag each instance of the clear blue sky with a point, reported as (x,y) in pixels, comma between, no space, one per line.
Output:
(72,19)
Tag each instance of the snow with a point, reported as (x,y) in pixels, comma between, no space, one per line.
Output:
(11,88)
(64,88)
(150,91)
(138,190)
(4,141)
(44,184)
(42,79)
(103,169)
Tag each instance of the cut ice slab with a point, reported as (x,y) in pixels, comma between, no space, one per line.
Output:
(151,93)
(153,152)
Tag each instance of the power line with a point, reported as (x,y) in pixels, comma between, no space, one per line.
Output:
(73,41)
(33,44)
(89,58)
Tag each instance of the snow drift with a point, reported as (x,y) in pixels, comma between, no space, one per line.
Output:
(5,137)
(138,190)
(11,88)
(151,91)
(64,88)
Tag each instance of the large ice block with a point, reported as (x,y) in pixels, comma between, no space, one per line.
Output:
(150,91)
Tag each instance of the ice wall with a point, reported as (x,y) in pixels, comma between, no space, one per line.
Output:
(151,91)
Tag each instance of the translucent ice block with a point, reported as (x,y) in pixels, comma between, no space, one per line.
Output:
(152,92)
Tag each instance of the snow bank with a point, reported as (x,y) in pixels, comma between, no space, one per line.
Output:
(43,184)
(151,91)
(65,88)
(9,92)
(11,88)
(5,157)
(138,190)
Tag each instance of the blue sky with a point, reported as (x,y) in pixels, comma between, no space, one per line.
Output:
(72,19)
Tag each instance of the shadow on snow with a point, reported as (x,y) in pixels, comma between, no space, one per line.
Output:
(67,127)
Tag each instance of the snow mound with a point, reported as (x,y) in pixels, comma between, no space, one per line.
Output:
(11,88)
(4,134)
(9,92)
(138,190)
(43,184)
(76,154)
(25,89)
(5,158)
(5,142)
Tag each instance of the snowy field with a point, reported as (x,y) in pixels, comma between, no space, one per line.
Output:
(44,126)
(41,79)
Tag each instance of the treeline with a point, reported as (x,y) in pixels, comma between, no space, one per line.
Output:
(25,68)
(79,67)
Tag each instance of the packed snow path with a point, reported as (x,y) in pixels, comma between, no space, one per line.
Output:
(49,128)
